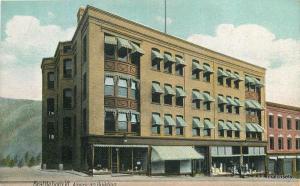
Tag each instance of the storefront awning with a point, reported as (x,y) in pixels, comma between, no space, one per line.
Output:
(163,153)
(120,146)
(110,40)
(197,123)
(169,90)
(156,55)
(197,95)
(156,88)
(222,126)
(208,124)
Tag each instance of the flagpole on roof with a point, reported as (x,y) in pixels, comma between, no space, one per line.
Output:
(165,16)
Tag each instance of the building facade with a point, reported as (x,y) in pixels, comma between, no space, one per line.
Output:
(122,97)
(283,139)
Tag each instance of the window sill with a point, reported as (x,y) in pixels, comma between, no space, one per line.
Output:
(156,70)
(168,105)
(196,79)
(155,103)
(178,106)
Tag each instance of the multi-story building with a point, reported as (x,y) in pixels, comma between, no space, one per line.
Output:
(283,139)
(122,97)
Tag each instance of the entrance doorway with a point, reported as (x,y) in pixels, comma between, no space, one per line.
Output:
(172,167)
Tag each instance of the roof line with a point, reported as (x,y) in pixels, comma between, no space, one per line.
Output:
(272,104)
(170,36)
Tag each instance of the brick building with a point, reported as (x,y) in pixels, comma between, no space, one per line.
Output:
(283,139)
(122,97)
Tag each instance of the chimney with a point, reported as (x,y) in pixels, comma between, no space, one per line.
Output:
(80,13)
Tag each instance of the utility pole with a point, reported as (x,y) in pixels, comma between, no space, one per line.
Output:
(165,16)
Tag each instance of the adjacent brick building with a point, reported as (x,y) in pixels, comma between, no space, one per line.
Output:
(122,97)
(283,139)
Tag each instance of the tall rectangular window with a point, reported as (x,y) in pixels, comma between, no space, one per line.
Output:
(289,123)
(109,86)
(196,68)
(280,143)
(180,95)
(122,88)
(84,87)
(297,124)
(84,121)
(75,95)
(67,98)
(67,68)
(84,49)
(109,122)
(271,143)
(67,128)
(289,143)
(122,121)
(228,80)
(279,122)
(297,143)
(75,64)
(134,92)
(156,122)
(156,92)
(156,57)
(50,131)
(110,47)
(50,106)
(50,78)
(271,121)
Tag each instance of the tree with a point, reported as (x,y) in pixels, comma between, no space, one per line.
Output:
(26,157)
(20,163)
(31,162)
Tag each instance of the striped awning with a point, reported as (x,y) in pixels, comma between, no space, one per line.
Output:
(238,126)
(180,92)
(179,61)
(196,66)
(156,88)
(136,49)
(222,100)
(169,121)
(207,97)
(169,90)
(197,95)
(156,55)
(180,122)
(110,40)
(168,58)
(156,119)
(120,146)
(197,123)
(222,126)
(163,153)
(207,69)
(221,73)
(208,124)
(123,43)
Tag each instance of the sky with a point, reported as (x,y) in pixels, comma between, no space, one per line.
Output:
(261,32)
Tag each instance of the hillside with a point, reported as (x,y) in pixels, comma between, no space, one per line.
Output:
(20,127)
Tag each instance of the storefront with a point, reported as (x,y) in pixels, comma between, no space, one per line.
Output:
(173,160)
(225,160)
(202,166)
(283,165)
(128,159)
(254,161)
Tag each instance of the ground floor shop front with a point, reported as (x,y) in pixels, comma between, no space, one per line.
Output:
(174,159)
(282,164)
